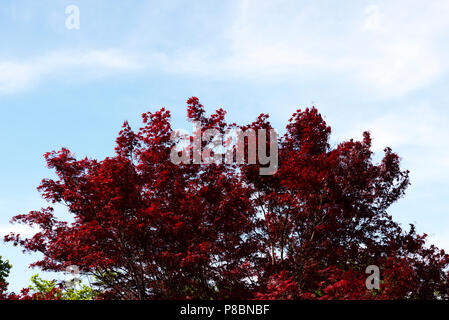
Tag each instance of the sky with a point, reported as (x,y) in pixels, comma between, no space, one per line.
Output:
(380,66)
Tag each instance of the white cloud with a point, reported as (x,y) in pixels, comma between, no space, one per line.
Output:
(401,67)
(17,76)
(420,136)
(25,231)
(389,48)
(441,241)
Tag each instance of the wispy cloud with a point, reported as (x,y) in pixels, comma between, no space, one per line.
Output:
(24,230)
(16,76)
(420,135)
(382,47)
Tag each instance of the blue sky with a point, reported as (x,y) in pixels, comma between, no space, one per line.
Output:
(380,66)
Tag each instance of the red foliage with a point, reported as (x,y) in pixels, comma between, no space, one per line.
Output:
(25,294)
(150,229)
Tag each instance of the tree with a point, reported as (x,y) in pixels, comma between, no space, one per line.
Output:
(41,289)
(5,267)
(325,221)
(147,228)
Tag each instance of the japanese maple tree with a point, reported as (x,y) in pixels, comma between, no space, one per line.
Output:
(147,228)
(325,221)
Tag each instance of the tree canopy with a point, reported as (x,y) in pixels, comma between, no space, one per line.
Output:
(147,228)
